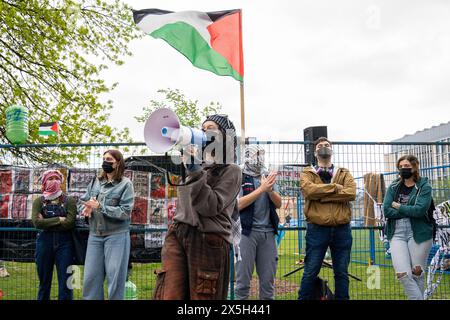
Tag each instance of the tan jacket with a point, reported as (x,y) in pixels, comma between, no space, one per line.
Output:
(324,205)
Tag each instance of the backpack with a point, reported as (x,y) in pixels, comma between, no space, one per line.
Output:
(321,290)
(431,219)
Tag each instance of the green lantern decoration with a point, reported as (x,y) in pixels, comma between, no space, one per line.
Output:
(17,124)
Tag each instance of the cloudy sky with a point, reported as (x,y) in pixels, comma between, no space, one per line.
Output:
(369,70)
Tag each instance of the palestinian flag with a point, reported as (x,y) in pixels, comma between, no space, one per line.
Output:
(48,129)
(210,40)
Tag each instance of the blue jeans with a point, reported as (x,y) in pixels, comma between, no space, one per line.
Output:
(54,248)
(106,256)
(318,239)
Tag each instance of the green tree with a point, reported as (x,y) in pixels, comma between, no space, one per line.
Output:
(52,53)
(188,111)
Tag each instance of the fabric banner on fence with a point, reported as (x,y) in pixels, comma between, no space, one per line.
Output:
(14,180)
(375,189)
(80,179)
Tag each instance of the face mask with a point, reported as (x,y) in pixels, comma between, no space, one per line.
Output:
(256,161)
(324,153)
(209,140)
(255,164)
(53,186)
(107,167)
(213,150)
(406,173)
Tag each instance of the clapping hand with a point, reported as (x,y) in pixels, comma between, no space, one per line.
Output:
(189,154)
(87,212)
(267,182)
(89,207)
(190,158)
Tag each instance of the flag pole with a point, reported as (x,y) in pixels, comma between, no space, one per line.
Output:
(241,84)
(57,134)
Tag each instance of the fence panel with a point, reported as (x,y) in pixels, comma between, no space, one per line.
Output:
(372,275)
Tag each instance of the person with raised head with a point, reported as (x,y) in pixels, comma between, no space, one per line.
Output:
(327,190)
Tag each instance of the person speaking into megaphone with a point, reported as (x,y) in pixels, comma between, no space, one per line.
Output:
(195,255)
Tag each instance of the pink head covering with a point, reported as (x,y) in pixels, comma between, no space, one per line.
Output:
(52,189)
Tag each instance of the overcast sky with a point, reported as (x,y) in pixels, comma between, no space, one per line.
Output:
(369,70)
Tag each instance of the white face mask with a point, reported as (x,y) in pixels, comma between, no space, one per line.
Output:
(256,159)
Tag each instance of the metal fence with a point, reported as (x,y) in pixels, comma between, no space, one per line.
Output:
(372,275)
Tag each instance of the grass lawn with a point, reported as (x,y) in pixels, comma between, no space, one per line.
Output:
(22,282)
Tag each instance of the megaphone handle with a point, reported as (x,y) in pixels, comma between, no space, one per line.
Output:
(183,169)
(183,178)
(183,173)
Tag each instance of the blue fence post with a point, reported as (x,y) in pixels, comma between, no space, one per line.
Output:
(372,246)
(300,223)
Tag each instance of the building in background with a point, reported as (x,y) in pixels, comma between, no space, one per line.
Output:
(434,159)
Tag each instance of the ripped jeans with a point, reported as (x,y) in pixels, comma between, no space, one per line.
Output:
(408,255)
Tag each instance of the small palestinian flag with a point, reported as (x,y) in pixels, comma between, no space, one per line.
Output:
(210,40)
(49,129)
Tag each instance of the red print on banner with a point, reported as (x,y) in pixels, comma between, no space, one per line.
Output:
(4,206)
(139,213)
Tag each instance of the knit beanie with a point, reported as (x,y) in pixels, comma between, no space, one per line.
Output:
(222,120)
(225,125)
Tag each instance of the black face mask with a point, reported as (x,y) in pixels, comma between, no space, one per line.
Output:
(107,167)
(324,153)
(209,140)
(212,136)
(405,173)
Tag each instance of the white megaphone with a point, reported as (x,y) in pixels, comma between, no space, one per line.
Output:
(163,131)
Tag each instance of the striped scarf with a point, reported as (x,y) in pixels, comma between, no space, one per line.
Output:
(254,162)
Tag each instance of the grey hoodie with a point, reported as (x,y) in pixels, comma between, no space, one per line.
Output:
(209,199)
